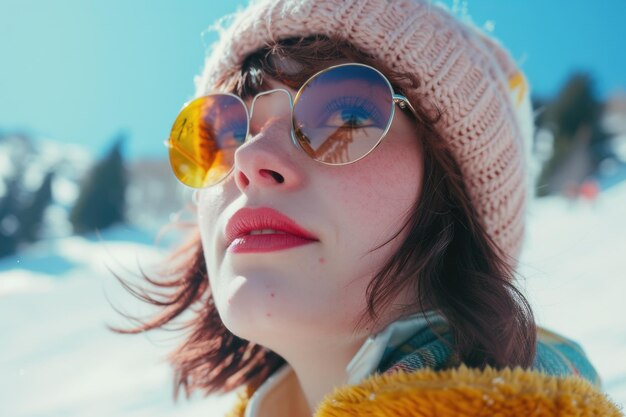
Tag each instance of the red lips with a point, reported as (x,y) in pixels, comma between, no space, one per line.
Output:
(253,230)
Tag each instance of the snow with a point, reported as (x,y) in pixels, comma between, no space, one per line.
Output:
(56,355)
(573,264)
(58,358)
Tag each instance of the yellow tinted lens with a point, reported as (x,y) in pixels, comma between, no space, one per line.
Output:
(204,138)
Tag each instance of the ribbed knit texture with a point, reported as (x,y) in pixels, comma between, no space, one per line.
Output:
(487,121)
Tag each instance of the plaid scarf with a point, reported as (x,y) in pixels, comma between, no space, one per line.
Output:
(431,347)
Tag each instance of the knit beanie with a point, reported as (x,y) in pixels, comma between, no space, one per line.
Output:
(487,118)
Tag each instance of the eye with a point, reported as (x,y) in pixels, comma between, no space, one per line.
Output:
(352,112)
(232,131)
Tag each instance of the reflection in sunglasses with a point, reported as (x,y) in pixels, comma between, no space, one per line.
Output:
(335,148)
(337,117)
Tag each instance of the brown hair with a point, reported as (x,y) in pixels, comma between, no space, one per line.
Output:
(447,257)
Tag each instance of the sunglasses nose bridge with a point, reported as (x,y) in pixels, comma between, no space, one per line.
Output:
(266,106)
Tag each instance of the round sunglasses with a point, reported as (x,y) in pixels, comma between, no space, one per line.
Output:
(338,116)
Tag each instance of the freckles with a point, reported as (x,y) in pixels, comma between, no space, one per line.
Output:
(358,190)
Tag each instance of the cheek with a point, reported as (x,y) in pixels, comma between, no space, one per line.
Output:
(372,199)
(380,190)
(211,203)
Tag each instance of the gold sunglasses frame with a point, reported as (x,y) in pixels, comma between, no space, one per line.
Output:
(398,99)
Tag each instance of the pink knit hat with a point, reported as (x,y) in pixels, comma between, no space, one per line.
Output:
(487,120)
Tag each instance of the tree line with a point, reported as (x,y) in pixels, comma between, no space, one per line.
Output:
(101,201)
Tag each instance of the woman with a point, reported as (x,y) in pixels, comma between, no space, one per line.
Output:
(361,183)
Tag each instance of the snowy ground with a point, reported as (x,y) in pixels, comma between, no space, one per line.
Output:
(58,359)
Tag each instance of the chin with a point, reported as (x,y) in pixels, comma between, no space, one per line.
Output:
(248,318)
(245,308)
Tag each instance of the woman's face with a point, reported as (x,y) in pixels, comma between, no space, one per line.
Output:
(274,290)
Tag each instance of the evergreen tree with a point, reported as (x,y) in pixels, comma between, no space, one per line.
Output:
(31,217)
(574,106)
(9,222)
(574,112)
(101,201)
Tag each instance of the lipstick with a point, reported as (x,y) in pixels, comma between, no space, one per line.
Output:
(258,230)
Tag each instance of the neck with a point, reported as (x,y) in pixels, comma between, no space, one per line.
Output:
(320,370)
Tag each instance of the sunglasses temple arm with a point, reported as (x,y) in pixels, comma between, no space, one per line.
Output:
(404,102)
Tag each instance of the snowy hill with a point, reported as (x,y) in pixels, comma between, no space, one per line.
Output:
(574,264)
(58,359)
(56,356)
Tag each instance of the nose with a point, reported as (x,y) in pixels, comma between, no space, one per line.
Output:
(268,159)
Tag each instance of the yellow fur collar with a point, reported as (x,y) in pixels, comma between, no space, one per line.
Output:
(463,392)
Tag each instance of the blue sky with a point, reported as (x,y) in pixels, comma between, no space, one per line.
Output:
(81,71)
